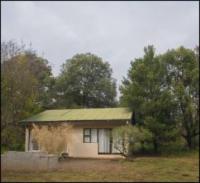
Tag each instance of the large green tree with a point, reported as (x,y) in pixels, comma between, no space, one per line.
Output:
(25,85)
(147,93)
(85,81)
(40,69)
(183,75)
(18,95)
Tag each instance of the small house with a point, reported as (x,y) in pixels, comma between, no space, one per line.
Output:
(91,132)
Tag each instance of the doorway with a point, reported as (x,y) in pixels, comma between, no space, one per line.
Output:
(104,141)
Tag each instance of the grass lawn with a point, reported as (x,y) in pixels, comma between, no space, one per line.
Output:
(164,168)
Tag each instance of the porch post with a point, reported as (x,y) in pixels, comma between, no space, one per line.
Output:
(27,139)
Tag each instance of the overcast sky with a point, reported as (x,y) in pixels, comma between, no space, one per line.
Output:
(116,31)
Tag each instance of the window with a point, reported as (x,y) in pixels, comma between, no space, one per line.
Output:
(35,145)
(89,135)
(94,135)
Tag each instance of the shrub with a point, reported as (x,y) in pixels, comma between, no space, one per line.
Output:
(12,138)
(52,139)
(128,139)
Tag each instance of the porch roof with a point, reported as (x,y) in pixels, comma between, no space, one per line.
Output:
(94,114)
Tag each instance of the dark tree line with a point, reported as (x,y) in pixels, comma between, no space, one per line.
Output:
(162,90)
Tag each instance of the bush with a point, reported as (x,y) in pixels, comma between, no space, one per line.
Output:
(12,138)
(128,139)
(52,139)
(3,149)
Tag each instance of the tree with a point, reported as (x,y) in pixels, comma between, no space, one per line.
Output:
(147,92)
(85,81)
(26,82)
(10,49)
(127,137)
(40,69)
(183,74)
(38,66)
(52,139)
(18,95)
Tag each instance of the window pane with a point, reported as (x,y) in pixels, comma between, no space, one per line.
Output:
(93,135)
(35,145)
(86,131)
(104,141)
(86,139)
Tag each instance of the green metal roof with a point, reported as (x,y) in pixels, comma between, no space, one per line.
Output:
(81,115)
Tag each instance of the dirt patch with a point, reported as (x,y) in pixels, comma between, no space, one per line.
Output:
(91,164)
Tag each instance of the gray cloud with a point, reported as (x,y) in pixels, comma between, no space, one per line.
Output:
(115,31)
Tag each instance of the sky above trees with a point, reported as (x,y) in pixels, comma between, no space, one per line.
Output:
(115,31)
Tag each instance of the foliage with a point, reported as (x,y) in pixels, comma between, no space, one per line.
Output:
(163,91)
(10,49)
(18,94)
(127,138)
(24,77)
(40,69)
(52,139)
(183,75)
(147,93)
(12,137)
(85,81)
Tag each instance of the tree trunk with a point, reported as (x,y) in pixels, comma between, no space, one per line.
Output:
(189,141)
(155,145)
(142,148)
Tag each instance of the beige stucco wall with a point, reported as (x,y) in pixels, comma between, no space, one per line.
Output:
(76,147)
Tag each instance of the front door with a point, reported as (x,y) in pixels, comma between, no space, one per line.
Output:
(104,140)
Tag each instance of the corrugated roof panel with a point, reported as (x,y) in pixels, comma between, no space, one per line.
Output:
(81,114)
